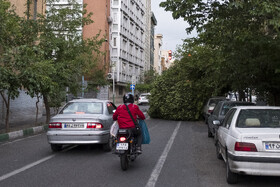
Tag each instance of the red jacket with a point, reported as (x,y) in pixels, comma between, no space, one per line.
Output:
(123,117)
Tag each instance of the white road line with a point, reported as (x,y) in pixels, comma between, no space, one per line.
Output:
(8,175)
(3,177)
(21,139)
(156,172)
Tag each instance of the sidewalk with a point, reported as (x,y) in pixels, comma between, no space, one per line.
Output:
(23,128)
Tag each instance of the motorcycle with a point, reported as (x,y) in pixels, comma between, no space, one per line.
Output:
(125,147)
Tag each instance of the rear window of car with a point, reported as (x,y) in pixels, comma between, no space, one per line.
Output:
(258,118)
(228,106)
(215,101)
(83,108)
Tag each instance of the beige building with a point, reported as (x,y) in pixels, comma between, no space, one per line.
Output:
(157,54)
(33,8)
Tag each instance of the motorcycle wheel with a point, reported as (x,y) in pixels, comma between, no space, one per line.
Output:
(124,161)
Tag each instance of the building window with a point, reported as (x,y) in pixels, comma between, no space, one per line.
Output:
(115,27)
(115,42)
(116,2)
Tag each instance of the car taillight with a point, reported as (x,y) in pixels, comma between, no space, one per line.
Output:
(94,125)
(244,146)
(55,125)
(122,139)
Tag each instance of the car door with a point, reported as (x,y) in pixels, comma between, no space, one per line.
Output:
(224,130)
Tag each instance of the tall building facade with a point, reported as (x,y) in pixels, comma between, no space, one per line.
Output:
(123,24)
(157,54)
(152,42)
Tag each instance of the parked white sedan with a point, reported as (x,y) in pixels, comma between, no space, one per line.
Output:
(248,140)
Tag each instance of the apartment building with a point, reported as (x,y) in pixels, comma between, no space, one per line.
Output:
(157,54)
(32,7)
(123,24)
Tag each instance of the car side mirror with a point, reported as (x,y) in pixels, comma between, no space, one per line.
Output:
(217,123)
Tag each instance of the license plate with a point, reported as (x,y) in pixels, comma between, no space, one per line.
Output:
(73,126)
(275,146)
(122,146)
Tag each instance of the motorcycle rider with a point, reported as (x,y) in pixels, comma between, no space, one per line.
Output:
(125,121)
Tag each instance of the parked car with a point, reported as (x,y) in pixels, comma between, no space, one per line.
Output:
(219,113)
(210,105)
(248,140)
(82,121)
(143,98)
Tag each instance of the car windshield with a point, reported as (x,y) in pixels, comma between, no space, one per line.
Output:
(82,108)
(259,118)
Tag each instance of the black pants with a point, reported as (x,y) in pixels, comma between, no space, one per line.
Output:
(138,134)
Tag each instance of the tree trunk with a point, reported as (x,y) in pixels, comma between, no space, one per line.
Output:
(7,104)
(276,99)
(37,109)
(241,95)
(7,116)
(47,107)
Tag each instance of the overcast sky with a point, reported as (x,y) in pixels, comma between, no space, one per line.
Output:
(173,31)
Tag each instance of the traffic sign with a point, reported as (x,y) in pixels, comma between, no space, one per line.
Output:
(132,87)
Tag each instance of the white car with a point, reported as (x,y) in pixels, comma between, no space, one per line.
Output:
(143,98)
(248,140)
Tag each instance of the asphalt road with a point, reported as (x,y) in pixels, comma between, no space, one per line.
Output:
(180,154)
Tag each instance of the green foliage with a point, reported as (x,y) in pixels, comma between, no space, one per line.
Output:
(244,36)
(180,92)
(147,82)
(46,55)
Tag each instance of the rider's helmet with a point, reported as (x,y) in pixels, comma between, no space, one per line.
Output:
(128,98)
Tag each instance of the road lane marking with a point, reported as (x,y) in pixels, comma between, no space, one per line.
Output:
(156,172)
(21,139)
(8,175)
(3,177)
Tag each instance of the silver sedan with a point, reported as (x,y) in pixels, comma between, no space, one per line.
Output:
(82,121)
(248,141)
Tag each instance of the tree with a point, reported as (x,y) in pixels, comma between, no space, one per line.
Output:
(179,93)
(69,56)
(246,35)
(10,40)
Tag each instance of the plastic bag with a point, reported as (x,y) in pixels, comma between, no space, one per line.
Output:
(145,132)
(114,129)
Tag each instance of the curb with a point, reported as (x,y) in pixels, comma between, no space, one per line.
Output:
(22,133)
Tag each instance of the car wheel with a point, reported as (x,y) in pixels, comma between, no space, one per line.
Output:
(56,147)
(218,151)
(231,177)
(209,132)
(108,146)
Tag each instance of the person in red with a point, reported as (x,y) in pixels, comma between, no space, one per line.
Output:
(124,119)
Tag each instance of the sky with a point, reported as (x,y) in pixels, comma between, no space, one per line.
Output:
(173,31)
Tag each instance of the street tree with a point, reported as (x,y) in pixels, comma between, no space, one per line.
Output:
(61,44)
(10,40)
(245,33)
